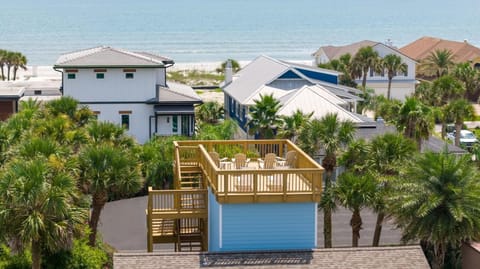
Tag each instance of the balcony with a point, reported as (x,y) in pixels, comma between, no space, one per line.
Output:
(300,182)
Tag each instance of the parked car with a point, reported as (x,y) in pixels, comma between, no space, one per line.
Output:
(467,138)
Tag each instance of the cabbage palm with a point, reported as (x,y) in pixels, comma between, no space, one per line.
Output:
(386,154)
(107,170)
(365,59)
(437,200)
(468,76)
(438,63)
(355,192)
(263,118)
(210,112)
(331,135)
(3,62)
(19,61)
(459,110)
(415,120)
(38,207)
(393,65)
(292,125)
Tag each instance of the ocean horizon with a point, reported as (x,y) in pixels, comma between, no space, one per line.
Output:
(214,30)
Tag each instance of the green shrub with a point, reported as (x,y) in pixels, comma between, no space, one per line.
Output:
(81,256)
(18,261)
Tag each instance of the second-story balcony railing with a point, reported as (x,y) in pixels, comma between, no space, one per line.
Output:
(301,181)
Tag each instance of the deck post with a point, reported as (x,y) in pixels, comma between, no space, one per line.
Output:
(149,222)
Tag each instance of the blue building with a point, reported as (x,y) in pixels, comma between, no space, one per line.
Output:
(219,206)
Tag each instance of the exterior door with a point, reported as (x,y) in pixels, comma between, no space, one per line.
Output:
(185,125)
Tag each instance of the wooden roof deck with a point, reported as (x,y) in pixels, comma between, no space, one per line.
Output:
(251,184)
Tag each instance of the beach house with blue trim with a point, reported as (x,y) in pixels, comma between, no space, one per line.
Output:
(296,86)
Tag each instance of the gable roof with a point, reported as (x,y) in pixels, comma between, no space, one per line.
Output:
(104,56)
(422,47)
(317,100)
(334,52)
(404,257)
(254,78)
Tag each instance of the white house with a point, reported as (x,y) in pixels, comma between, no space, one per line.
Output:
(296,86)
(402,84)
(129,88)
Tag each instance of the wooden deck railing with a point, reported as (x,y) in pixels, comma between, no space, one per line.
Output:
(173,213)
(302,183)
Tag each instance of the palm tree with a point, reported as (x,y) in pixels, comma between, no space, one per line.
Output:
(345,65)
(263,118)
(459,110)
(292,125)
(210,112)
(107,170)
(386,154)
(3,62)
(365,59)
(438,63)
(19,61)
(355,193)
(469,77)
(393,65)
(331,135)
(415,120)
(444,90)
(437,201)
(9,58)
(37,207)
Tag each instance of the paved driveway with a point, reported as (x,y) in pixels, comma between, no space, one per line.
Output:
(123,225)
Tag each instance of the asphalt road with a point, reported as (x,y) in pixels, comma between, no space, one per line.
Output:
(123,226)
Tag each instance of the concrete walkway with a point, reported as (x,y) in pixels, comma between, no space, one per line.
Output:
(123,226)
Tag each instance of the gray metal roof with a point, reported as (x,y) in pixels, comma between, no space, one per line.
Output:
(317,100)
(110,57)
(399,257)
(176,93)
(259,76)
(252,77)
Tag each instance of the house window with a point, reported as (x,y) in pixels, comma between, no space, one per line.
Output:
(125,117)
(175,124)
(126,121)
(37,92)
(71,76)
(129,75)
(406,72)
(371,72)
(100,75)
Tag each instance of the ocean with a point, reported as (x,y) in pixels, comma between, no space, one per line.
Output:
(214,30)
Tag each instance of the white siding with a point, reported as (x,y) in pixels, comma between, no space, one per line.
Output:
(139,118)
(114,87)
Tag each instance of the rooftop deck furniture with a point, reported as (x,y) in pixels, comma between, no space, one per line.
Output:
(203,180)
(268,162)
(289,161)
